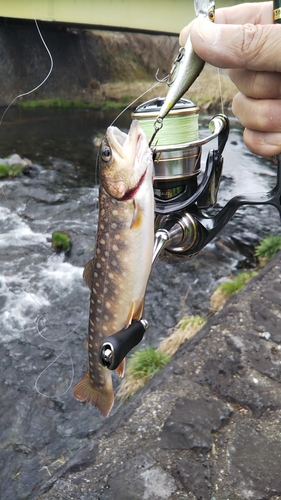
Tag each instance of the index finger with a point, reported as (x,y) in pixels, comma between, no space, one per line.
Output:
(247,46)
(254,13)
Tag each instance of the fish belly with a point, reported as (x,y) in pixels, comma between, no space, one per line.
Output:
(119,275)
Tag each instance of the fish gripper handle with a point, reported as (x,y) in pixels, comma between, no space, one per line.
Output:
(115,347)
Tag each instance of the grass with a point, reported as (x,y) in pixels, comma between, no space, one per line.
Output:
(229,288)
(185,329)
(61,242)
(142,366)
(57,102)
(268,247)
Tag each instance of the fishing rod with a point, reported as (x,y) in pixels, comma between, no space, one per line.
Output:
(184,220)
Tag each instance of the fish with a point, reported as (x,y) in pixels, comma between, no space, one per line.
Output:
(118,274)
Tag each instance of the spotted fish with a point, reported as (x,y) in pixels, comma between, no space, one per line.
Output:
(118,274)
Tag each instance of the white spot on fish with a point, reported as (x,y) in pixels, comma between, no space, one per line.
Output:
(104,328)
(102,241)
(113,225)
(115,248)
(114,212)
(107,305)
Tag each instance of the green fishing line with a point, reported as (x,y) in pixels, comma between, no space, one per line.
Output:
(176,129)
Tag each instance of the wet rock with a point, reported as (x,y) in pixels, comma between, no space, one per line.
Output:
(194,474)
(255,463)
(191,423)
(230,380)
(262,356)
(265,319)
(137,477)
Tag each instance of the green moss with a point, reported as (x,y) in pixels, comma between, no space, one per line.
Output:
(234,286)
(4,170)
(268,247)
(145,363)
(12,171)
(61,241)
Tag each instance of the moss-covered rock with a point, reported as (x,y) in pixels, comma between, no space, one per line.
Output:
(61,241)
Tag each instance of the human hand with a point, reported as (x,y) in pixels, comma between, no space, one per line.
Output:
(245,40)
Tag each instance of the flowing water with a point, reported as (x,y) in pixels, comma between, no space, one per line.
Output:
(43,300)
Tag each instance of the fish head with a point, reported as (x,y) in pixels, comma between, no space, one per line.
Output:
(125,161)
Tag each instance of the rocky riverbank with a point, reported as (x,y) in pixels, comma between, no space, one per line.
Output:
(207,427)
(93,67)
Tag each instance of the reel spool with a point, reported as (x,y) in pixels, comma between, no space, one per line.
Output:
(176,161)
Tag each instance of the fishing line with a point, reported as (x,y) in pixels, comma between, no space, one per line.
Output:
(9,206)
(220,90)
(47,367)
(136,100)
(59,338)
(43,81)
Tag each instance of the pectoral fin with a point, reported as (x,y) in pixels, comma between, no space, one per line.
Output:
(88,274)
(137,216)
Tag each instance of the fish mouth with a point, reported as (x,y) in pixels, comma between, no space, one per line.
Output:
(135,129)
(131,154)
(130,193)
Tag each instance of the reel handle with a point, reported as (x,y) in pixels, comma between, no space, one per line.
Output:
(114,348)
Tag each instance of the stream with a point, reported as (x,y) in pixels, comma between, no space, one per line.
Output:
(43,300)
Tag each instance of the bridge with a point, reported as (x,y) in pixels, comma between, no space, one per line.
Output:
(150,16)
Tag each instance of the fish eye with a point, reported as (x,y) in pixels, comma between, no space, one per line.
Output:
(105,153)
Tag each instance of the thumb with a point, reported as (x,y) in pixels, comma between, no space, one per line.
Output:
(249,46)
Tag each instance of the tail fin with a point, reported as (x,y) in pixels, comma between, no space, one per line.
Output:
(85,390)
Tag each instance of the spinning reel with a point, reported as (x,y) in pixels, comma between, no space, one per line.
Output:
(183,194)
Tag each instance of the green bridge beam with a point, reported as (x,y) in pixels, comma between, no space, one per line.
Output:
(154,16)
